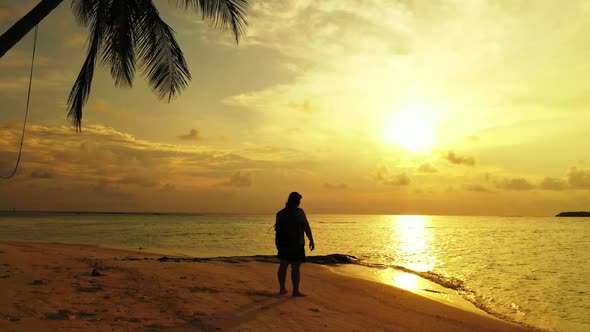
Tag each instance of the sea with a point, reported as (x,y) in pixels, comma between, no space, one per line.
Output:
(533,271)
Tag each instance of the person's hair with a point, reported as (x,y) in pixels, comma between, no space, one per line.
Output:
(293,200)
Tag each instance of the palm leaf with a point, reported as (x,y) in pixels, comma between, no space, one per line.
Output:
(84,11)
(119,38)
(130,32)
(220,13)
(92,14)
(160,57)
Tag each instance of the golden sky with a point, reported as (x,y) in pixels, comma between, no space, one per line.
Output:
(378,106)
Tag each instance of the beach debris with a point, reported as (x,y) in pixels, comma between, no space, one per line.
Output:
(129,258)
(331,259)
(39,282)
(83,314)
(9,317)
(61,314)
(432,291)
(95,273)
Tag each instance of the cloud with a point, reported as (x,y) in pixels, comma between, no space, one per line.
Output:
(22,60)
(478,188)
(239,179)
(168,187)
(472,139)
(579,178)
(267,149)
(327,27)
(4,14)
(138,180)
(118,159)
(554,184)
(459,160)
(306,107)
(104,186)
(391,177)
(520,184)
(397,180)
(7,160)
(338,186)
(104,107)
(427,168)
(76,39)
(193,135)
(41,174)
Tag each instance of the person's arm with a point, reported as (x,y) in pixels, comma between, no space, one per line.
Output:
(307,230)
(277,230)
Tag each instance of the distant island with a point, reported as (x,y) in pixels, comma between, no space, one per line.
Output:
(574,214)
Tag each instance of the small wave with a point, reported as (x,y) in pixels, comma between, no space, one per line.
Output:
(455,284)
(447,282)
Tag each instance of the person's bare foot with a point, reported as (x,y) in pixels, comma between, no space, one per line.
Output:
(283,291)
(298,294)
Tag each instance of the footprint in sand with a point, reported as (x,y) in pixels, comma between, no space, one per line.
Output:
(203,290)
(59,315)
(262,293)
(9,317)
(39,282)
(89,289)
(4,271)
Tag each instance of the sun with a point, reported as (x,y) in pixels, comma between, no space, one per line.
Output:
(412,129)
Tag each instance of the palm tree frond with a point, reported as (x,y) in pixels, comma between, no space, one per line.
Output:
(119,39)
(220,13)
(161,59)
(84,11)
(81,89)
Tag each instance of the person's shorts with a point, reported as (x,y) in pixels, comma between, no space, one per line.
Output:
(292,254)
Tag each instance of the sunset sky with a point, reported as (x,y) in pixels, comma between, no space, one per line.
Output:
(381,107)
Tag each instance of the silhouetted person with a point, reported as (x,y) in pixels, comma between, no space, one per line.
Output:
(290,227)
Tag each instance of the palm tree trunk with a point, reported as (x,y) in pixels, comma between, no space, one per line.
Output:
(26,24)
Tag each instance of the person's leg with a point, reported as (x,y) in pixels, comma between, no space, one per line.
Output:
(295,277)
(282,275)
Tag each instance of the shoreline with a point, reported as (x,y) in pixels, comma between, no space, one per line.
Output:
(50,286)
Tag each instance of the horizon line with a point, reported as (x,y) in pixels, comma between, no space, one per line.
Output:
(258,213)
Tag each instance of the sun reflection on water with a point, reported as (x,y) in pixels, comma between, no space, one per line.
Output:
(411,240)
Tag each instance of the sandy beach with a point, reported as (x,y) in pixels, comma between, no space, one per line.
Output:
(51,287)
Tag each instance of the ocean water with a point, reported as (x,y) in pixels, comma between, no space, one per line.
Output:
(534,271)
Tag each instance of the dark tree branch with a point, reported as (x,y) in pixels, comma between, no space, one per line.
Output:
(20,29)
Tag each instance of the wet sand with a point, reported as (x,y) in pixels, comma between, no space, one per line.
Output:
(52,287)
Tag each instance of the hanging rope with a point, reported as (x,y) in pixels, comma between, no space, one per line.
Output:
(20,149)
